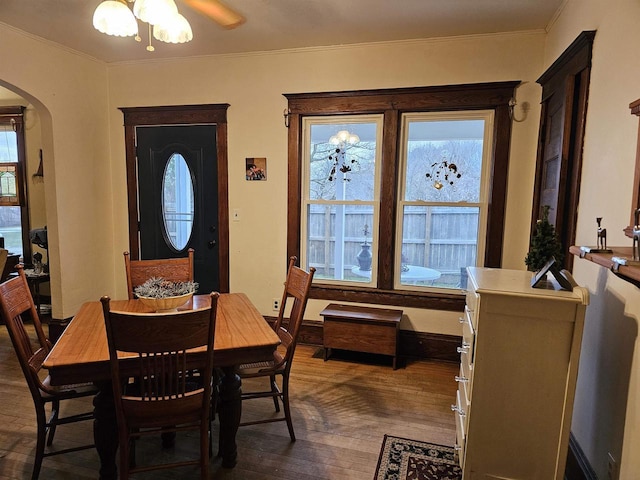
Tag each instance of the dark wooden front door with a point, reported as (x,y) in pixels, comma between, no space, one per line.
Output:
(177,187)
(186,155)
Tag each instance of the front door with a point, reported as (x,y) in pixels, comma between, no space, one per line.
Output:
(178,197)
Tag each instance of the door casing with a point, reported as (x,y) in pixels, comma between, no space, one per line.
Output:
(181,115)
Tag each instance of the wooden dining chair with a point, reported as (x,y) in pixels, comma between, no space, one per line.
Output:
(153,391)
(173,269)
(296,287)
(17,306)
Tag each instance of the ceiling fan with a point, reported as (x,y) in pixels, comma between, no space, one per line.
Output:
(115,17)
(217,11)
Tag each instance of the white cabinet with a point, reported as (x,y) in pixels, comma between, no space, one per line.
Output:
(518,367)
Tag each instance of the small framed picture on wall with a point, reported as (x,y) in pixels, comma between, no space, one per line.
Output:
(256,168)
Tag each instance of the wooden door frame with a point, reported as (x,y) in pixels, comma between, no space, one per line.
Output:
(568,75)
(181,115)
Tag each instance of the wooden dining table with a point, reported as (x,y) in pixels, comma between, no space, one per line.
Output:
(81,355)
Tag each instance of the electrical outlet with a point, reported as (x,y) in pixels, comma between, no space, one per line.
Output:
(276,304)
(612,467)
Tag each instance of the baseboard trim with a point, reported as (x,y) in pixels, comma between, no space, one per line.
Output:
(411,344)
(578,466)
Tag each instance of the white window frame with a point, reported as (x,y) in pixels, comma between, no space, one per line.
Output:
(483,204)
(305,201)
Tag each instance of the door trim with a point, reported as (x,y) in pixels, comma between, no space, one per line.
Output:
(568,76)
(180,115)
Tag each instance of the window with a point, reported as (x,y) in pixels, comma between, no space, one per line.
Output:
(13,205)
(341,197)
(442,202)
(375,204)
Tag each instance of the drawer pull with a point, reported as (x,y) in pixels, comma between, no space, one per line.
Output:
(461,319)
(457,447)
(458,410)
(464,348)
(461,379)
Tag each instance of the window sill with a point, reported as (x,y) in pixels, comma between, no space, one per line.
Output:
(403,298)
(629,273)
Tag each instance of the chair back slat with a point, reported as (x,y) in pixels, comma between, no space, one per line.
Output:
(158,344)
(296,287)
(172,269)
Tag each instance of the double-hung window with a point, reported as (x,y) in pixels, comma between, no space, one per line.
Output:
(341,197)
(399,190)
(442,201)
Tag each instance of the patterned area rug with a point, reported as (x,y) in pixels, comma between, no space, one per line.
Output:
(403,459)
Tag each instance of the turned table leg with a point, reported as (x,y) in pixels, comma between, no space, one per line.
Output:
(229,414)
(105,431)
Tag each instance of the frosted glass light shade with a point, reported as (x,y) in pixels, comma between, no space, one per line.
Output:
(155,12)
(114,18)
(177,30)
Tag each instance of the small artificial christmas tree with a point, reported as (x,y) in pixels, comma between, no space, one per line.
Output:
(544,244)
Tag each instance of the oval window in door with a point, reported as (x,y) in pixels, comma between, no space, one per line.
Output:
(177,201)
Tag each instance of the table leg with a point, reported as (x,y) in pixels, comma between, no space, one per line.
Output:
(229,415)
(105,431)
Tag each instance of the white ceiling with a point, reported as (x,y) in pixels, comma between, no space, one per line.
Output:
(283,24)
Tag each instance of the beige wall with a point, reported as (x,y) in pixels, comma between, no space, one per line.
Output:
(83,141)
(606,417)
(69,93)
(253,85)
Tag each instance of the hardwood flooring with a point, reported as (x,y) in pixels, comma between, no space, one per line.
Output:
(341,410)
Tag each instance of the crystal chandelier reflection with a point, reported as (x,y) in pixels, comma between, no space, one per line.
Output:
(339,156)
(165,23)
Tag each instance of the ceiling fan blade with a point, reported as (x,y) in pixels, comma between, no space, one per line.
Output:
(218,12)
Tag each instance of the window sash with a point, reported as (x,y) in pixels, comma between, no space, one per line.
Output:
(403,277)
(338,246)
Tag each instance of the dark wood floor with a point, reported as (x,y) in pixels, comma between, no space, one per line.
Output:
(341,408)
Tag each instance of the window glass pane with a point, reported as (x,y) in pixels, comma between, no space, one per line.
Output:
(339,241)
(342,161)
(10,217)
(444,160)
(177,201)
(8,144)
(443,197)
(437,244)
(340,232)
(11,229)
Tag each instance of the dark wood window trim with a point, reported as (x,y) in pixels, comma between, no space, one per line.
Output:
(392,103)
(181,115)
(7,114)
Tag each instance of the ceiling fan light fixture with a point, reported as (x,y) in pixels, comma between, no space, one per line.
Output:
(155,12)
(177,30)
(113,17)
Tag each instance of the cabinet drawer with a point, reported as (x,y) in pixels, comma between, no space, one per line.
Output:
(461,436)
(468,338)
(466,377)
(460,409)
(461,440)
(472,307)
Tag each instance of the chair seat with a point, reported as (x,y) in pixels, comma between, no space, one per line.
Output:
(68,391)
(263,368)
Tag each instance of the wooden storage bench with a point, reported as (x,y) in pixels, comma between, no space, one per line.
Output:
(361,329)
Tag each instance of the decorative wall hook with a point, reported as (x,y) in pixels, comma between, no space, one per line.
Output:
(512,106)
(286,114)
